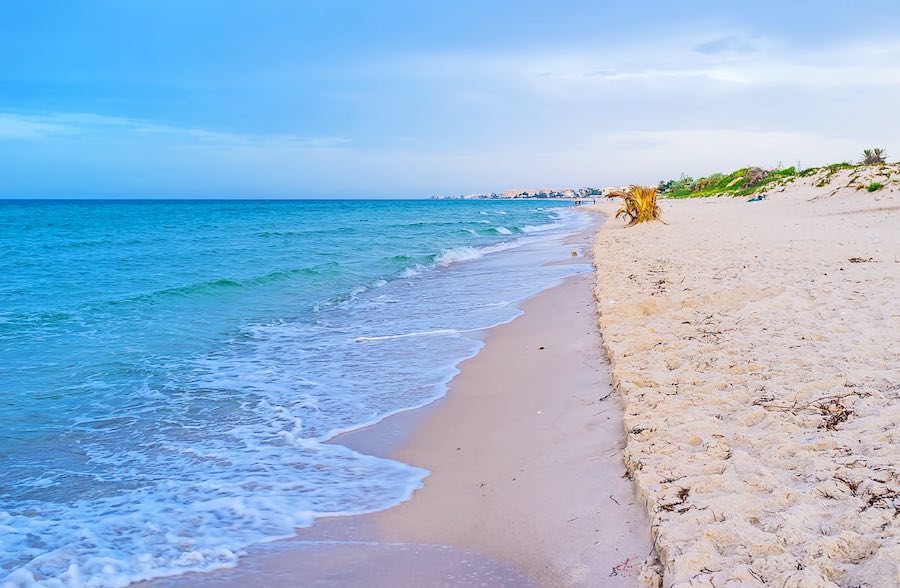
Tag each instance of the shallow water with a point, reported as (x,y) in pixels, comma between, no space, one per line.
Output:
(170,370)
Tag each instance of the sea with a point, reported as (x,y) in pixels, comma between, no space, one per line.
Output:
(171,371)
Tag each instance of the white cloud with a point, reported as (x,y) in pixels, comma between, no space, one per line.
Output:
(462,122)
(23,127)
(728,43)
(89,155)
(734,59)
(651,155)
(46,126)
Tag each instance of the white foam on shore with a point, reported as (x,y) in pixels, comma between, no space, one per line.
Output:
(457,254)
(424,333)
(404,335)
(449,256)
(538,228)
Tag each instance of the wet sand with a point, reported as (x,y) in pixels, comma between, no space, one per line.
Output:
(525,454)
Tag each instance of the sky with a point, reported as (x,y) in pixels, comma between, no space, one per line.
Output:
(297,99)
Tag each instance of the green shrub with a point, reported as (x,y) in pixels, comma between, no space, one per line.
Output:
(874,186)
(754,176)
(682,183)
(707,182)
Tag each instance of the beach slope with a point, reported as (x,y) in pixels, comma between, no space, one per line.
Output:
(756,347)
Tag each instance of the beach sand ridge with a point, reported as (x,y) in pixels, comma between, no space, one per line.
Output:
(756,347)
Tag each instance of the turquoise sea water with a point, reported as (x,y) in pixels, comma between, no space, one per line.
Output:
(170,370)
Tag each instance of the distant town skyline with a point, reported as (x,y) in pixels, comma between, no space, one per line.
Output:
(280,99)
(565,193)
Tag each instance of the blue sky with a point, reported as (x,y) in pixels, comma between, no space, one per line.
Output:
(219,98)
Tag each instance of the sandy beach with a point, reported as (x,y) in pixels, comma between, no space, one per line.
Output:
(742,432)
(757,345)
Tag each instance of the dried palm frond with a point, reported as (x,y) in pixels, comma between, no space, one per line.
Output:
(639,205)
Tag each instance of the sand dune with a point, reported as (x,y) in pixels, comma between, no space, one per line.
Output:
(757,347)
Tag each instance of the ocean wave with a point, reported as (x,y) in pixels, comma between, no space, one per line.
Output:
(412,271)
(177,526)
(13,322)
(225,284)
(539,228)
(413,334)
(430,224)
(457,254)
(503,230)
(327,231)
(349,296)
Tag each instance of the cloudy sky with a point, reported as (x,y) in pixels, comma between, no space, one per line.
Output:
(294,98)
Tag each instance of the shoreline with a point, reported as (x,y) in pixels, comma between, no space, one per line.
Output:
(570,527)
(544,490)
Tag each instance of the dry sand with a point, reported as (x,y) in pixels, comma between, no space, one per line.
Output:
(757,348)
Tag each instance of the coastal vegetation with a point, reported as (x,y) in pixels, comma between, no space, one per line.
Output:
(874,156)
(744,181)
(753,180)
(638,204)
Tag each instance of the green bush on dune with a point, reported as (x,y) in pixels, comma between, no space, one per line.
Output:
(739,183)
(751,180)
(682,183)
(832,169)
